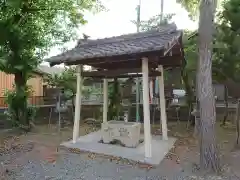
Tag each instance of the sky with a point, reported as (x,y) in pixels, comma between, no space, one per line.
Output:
(117,20)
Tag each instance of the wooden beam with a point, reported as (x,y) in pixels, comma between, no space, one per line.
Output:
(100,75)
(114,72)
(154,74)
(174,43)
(168,61)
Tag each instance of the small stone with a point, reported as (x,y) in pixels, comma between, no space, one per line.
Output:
(48,177)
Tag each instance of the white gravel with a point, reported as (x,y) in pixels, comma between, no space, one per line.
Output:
(19,164)
(78,167)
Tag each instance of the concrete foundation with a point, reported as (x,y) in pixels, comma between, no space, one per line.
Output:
(91,143)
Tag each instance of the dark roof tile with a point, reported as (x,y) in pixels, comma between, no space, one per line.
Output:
(120,45)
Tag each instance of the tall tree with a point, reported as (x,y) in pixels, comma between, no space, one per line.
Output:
(227,49)
(28,29)
(228,41)
(192,6)
(209,159)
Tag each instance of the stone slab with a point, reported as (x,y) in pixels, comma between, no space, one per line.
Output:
(90,143)
(128,133)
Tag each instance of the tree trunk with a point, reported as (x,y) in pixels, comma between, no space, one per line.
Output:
(21,98)
(189,92)
(238,124)
(209,159)
(226,106)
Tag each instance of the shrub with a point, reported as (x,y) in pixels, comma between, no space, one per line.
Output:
(23,116)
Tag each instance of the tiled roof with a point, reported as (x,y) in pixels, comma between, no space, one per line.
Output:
(50,70)
(121,45)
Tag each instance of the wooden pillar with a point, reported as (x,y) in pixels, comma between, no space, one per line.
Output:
(146,110)
(105,100)
(77,104)
(162,104)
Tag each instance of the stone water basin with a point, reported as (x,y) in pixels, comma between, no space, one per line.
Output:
(128,133)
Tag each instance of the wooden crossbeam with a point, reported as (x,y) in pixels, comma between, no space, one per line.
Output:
(100,74)
(114,72)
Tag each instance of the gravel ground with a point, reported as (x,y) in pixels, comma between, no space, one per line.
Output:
(75,167)
(70,166)
(34,157)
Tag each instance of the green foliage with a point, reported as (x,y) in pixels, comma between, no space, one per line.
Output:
(191,6)
(154,22)
(67,80)
(188,70)
(28,30)
(190,52)
(114,100)
(225,58)
(14,112)
(227,42)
